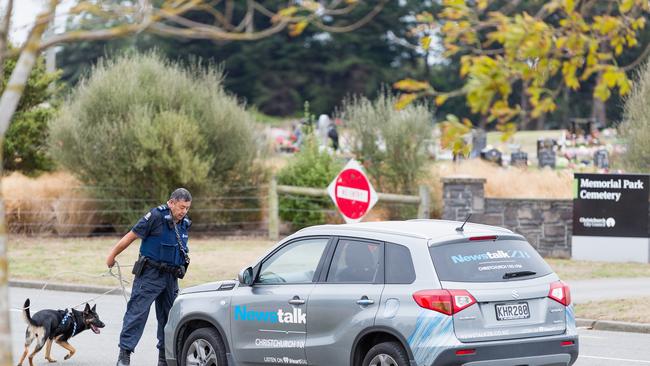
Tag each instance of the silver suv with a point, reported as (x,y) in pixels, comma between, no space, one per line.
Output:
(422,292)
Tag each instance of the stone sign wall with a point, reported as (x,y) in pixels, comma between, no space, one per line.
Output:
(546,223)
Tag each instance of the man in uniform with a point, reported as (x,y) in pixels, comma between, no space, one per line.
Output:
(163,259)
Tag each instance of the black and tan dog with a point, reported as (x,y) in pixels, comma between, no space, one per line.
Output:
(59,326)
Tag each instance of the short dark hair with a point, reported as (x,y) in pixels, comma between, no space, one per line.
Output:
(181,194)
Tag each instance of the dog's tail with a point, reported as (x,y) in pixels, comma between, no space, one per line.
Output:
(26,315)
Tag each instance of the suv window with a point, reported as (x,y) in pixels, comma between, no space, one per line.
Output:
(294,263)
(355,261)
(488,261)
(399,265)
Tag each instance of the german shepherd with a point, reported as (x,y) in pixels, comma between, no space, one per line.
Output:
(49,325)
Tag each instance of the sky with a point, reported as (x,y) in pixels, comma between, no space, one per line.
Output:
(24,14)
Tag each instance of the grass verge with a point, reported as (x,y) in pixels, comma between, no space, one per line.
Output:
(584,270)
(82,260)
(627,310)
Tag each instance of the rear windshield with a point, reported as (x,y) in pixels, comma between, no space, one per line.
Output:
(488,261)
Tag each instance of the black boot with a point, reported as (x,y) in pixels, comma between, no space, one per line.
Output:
(161,358)
(124,359)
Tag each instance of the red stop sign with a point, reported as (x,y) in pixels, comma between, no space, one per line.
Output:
(352,193)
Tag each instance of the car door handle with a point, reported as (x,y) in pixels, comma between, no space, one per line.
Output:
(296,301)
(365,301)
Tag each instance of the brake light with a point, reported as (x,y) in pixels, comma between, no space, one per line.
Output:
(481,238)
(560,292)
(567,343)
(448,302)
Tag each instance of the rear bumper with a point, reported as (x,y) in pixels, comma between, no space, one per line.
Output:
(546,351)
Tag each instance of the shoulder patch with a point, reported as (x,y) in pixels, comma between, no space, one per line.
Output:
(188,222)
(162,207)
(147,216)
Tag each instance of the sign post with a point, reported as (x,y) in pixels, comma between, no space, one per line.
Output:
(610,217)
(352,192)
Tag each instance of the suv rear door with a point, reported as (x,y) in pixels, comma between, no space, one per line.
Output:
(345,301)
(510,283)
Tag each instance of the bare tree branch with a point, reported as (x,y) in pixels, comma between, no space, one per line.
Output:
(356,25)
(642,57)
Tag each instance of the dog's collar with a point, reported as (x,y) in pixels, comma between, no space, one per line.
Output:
(66,317)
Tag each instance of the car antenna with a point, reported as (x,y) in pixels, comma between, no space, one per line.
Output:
(460,228)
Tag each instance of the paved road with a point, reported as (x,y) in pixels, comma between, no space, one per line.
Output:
(597,348)
(92,349)
(609,289)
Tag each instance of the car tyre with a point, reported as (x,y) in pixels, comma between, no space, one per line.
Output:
(203,347)
(386,354)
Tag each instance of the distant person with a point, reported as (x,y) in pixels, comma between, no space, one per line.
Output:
(297,133)
(162,261)
(333,134)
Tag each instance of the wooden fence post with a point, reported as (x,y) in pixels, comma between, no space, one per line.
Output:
(423,208)
(274,214)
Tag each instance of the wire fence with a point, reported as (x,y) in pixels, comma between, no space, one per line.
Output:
(242,211)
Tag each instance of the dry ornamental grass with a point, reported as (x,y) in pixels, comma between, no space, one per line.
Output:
(512,182)
(53,203)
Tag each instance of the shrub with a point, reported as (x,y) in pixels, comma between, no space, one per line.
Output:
(636,124)
(25,143)
(310,167)
(24,146)
(389,143)
(141,126)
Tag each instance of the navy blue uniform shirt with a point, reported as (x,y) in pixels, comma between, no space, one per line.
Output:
(159,240)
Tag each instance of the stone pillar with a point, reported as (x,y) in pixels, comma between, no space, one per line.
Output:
(462,196)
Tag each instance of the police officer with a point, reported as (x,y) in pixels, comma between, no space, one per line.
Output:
(163,259)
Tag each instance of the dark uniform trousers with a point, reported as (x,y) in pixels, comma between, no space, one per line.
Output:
(152,285)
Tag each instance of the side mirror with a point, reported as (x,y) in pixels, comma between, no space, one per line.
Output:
(245,276)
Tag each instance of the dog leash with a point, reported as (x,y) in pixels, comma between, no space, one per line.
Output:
(117,276)
(108,273)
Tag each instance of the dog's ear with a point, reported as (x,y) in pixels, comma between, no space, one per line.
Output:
(87,308)
(94,308)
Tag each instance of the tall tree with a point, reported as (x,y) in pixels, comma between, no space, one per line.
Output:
(549,47)
(278,74)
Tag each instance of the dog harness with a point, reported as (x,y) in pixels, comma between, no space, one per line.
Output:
(68,315)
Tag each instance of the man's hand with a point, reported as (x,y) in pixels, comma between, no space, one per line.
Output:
(110,261)
(119,247)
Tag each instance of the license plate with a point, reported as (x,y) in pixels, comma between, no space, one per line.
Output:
(513,311)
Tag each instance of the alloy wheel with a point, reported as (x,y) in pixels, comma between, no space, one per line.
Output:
(201,353)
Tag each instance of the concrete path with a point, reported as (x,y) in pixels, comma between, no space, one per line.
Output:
(609,289)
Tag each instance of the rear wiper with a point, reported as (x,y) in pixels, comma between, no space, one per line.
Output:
(518,274)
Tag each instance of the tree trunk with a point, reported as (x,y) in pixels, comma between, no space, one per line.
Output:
(566,115)
(6,358)
(16,85)
(8,104)
(540,122)
(599,112)
(525,119)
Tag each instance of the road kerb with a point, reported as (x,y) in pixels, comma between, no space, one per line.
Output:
(67,287)
(614,326)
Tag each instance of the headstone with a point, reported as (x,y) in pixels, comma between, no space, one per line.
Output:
(492,155)
(546,153)
(479,142)
(601,159)
(519,158)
